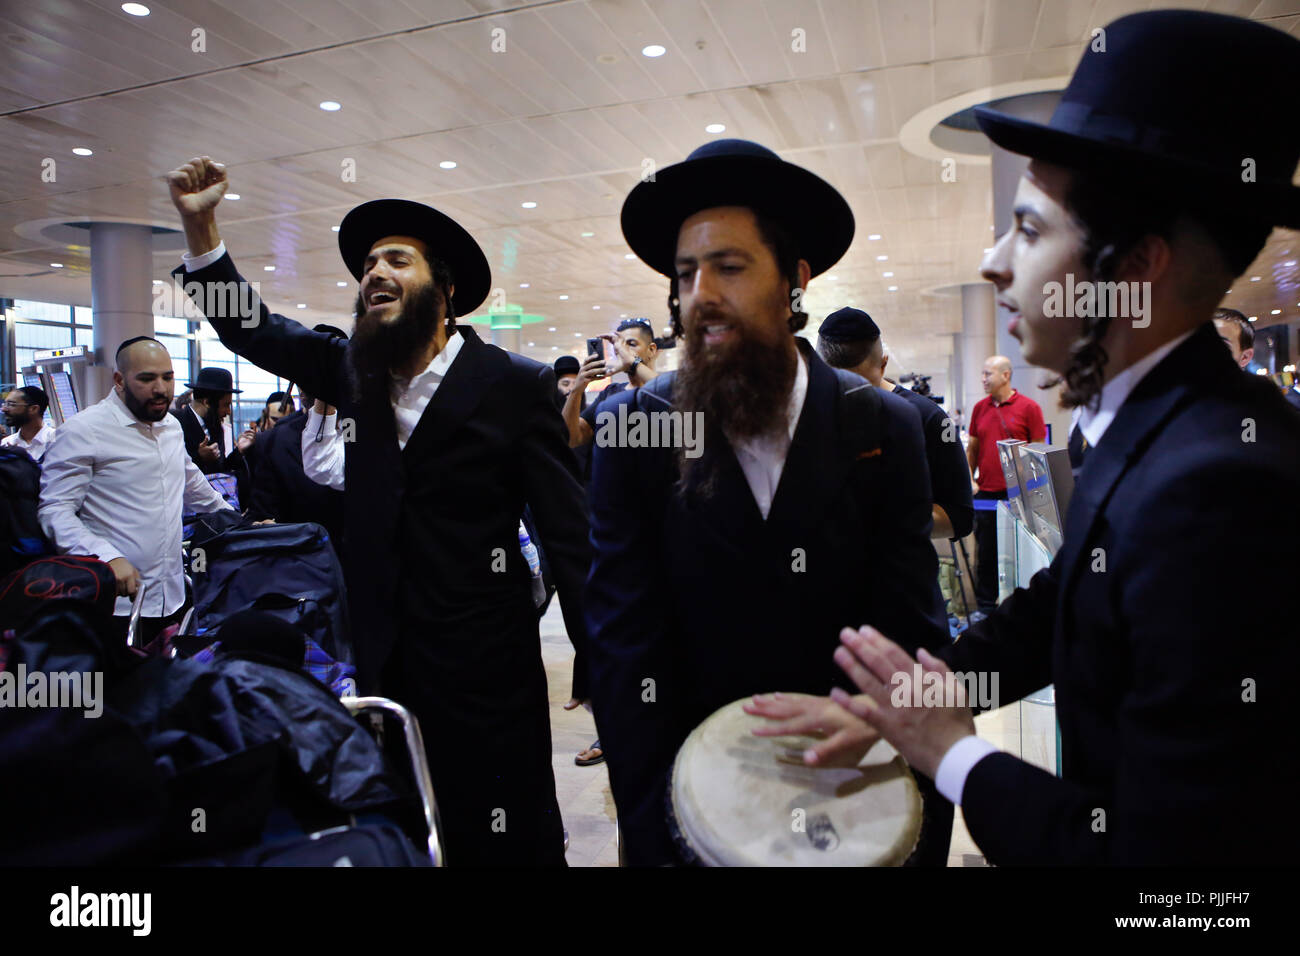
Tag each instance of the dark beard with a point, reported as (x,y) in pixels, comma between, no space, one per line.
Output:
(743,389)
(141,410)
(379,348)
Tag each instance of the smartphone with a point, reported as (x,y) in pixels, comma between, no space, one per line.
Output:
(595,347)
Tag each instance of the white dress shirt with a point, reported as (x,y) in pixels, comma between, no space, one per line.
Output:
(113,486)
(957,763)
(409,398)
(762,459)
(322,459)
(37,447)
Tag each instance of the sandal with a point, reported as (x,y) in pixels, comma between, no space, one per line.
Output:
(591,761)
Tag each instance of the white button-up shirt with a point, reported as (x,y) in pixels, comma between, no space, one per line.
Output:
(37,447)
(113,486)
(762,459)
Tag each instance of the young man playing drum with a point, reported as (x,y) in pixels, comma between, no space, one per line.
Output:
(1175,715)
(729,569)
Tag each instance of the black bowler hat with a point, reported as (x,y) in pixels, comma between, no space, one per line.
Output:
(214,379)
(736,172)
(849,325)
(1182,97)
(446,239)
(566,365)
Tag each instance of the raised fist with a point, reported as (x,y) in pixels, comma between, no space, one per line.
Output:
(197,186)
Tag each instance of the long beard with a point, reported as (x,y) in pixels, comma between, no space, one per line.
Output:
(742,388)
(378,348)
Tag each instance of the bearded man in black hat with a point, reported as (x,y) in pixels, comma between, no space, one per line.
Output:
(1175,714)
(452,438)
(728,570)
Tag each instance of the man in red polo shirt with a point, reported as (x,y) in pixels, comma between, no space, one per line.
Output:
(1003,413)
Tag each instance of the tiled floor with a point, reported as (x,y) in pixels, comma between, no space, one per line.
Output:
(588,807)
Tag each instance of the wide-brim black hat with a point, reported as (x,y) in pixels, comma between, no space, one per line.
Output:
(1193,102)
(446,240)
(736,172)
(215,379)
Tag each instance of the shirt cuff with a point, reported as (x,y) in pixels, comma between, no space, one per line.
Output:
(313,426)
(195,263)
(957,764)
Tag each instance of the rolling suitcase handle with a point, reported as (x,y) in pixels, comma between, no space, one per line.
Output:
(133,625)
(419,762)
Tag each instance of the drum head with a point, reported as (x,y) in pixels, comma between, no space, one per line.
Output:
(741,800)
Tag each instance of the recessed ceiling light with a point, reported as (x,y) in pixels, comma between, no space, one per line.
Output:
(564,297)
(268,268)
(607,58)
(341,285)
(595,307)
(523,285)
(447,164)
(654,49)
(531,344)
(335,228)
(893,288)
(83,151)
(887,275)
(551,329)
(1253,318)
(1289,263)
(529,205)
(587,235)
(630,255)
(874,236)
(577,335)
(881,258)
(622,315)
(233,196)
(1276,312)
(329,106)
(1254,278)
(135,9)
(157,282)
(56,265)
(715,128)
(302,305)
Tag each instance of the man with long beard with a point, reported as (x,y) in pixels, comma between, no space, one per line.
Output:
(452,438)
(808,506)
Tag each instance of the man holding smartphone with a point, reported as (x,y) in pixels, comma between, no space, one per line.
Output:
(634,350)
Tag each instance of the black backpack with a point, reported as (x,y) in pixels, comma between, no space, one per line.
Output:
(21,539)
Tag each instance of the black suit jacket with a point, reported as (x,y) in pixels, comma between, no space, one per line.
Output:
(282,490)
(1167,623)
(712,603)
(426,526)
(949,470)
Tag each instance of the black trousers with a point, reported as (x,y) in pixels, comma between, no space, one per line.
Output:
(986,552)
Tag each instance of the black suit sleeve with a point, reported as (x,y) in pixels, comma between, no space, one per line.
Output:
(632,672)
(1197,724)
(265,498)
(1014,641)
(904,578)
(270,341)
(554,495)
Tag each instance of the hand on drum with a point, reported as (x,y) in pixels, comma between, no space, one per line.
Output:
(922,734)
(844,739)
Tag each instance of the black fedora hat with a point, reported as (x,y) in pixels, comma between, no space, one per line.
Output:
(215,379)
(446,239)
(1193,101)
(736,172)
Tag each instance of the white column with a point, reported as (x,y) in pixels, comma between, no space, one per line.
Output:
(121,290)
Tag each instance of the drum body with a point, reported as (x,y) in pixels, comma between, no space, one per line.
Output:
(741,800)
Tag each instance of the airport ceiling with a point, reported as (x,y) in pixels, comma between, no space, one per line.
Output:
(554,103)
